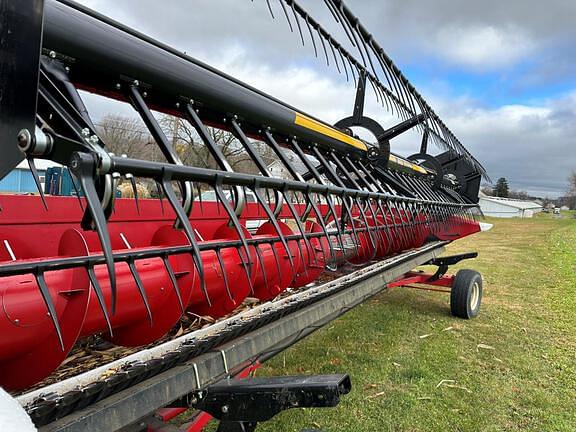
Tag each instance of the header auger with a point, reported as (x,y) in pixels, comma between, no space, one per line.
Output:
(128,269)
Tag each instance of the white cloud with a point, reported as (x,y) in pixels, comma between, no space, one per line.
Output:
(483,47)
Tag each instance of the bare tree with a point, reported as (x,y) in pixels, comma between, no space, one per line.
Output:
(126,135)
(193,152)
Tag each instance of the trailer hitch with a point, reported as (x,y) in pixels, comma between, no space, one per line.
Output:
(240,404)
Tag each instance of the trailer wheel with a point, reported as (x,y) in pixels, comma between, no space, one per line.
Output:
(466,294)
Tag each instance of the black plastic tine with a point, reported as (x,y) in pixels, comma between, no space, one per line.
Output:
(365,45)
(261,261)
(324,48)
(403,233)
(297,22)
(286,15)
(224,274)
(334,55)
(160,196)
(84,165)
(385,223)
(320,220)
(268,200)
(302,232)
(76,190)
(140,286)
(348,210)
(376,92)
(365,220)
(274,223)
(200,199)
(336,179)
(246,261)
(45,292)
(36,177)
(343,64)
(185,224)
(135,190)
(159,136)
(383,96)
(270,9)
(172,276)
(352,69)
(99,296)
(194,119)
(344,23)
(300,153)
(277,261)
(372,233)
(330,6)
(332,212)
(394,227)
(406,216)
(311,37)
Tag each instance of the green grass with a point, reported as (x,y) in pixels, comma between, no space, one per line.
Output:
(526,382)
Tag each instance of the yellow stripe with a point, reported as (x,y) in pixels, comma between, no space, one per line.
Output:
(321,128)
(407,164)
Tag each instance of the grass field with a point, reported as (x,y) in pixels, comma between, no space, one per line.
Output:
(513,368)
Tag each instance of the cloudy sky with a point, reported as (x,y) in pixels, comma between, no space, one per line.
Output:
(501,74)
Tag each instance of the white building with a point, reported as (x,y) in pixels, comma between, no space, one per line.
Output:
(508,207)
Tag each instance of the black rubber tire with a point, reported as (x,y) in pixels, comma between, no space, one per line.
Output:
(466,290)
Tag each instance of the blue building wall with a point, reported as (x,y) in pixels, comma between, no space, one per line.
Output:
(19,181)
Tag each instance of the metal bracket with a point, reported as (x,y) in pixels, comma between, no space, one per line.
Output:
(241,403)
(444,262)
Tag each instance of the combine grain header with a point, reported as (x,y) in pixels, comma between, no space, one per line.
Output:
(128,270)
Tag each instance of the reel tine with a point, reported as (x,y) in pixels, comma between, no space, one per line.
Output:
(302,232)
(36,177)
(297,23)
(172,276)
(224,274)
(270,9)
(141,289)
(330,6)
(344,23)
(320,220)
(135,191)
(286,15)
(76,190)
(99,296)
(261,261)
(246,261)
(185,224)
(45,292)
(311,37)
(277,261)
(334,215)
(84,174)
(274,223)
(324,47)
(335,60)
(343,64)
(350,217)
(200,199)
(160,196)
